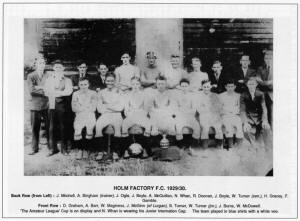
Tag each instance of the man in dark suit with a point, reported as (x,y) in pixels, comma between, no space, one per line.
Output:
(99,81)
(57,88)
(82,72)
(265,81)
(218,77)
(38,102)
(244,72)
(254,115)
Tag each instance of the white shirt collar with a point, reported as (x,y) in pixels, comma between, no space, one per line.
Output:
(252,95)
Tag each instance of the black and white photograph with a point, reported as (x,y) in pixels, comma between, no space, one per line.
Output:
(160,110)
(148,97)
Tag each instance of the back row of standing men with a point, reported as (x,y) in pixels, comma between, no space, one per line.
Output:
(50,93)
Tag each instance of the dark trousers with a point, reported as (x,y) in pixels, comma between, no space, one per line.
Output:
(69,119)
(57,122)
(269,104)
(36,119)
(260,137)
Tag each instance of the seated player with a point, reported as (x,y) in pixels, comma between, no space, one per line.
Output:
(254,115)
(84,103)
(135,112)
(135,109)
(208,107)
(110,106)
(162,109)
(186,111)
(230,104)
(196,76)
(57,88)
(125,72)
(70,116)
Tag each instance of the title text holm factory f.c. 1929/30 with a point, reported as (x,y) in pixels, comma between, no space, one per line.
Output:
(149,188)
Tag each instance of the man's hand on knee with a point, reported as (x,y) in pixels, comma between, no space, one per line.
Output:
(247,127)
(265,125)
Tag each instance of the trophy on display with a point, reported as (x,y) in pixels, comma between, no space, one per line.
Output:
(164,143)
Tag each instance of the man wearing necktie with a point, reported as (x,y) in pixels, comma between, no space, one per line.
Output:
(243,73)
(38,101)
(218,77)
(101,75)
(82,72)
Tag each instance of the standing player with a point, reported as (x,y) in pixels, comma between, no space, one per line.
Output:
(84,103)
(209,111)
(230,103)
(175,74)
(38,102)
(151,72)
(110,105)
(196,76)
(186,111)
(125,72)
(57,88)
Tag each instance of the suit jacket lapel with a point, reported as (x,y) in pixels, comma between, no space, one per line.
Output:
(241,73)
(221,77)
(249,72)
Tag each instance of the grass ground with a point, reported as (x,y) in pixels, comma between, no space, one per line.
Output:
(245,161)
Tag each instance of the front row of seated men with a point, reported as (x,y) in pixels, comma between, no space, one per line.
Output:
(167,112)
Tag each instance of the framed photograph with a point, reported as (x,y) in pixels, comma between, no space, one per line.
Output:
(144,110)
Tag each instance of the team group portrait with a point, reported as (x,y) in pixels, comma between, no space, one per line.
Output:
(148,97)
